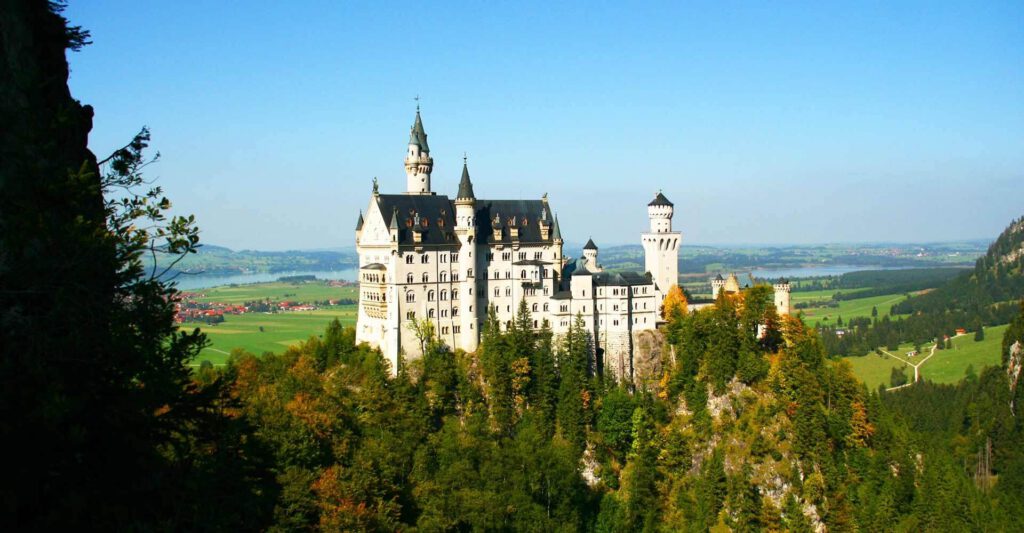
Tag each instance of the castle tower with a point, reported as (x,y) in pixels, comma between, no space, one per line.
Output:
(661,245)
(590,253)
(716,286)
(465,230)
(781,296)
(418,163)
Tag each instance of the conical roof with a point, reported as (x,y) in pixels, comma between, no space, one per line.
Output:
(417,136)
(556,233)
(465,185)
(660,200)
(590,245)
(394,219)
(359,224)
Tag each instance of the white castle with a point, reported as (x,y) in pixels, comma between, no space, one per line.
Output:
(426,256)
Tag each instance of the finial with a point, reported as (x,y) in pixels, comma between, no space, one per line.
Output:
(375,188)
(464,158)
(417,103)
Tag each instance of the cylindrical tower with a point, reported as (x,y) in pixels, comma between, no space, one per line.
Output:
(418,163)
(465,230)
(781,296)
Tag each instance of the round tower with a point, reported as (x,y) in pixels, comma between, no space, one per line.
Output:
(590,252)
(418,163)
(465,230)
(661,245)
(716,286)
(781,296)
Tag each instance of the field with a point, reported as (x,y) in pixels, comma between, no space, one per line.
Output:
(946,366)
(281,329)
(847,308)
(276,291)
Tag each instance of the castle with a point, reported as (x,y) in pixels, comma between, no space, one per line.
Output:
(426,256)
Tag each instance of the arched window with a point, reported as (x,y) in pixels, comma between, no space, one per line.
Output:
(408,277)
(410,297)
(444,296)
(469,273)
(430,296)
(426,277)
(534,308)
(424,258)
(545,307)
(430,313)
(443,276)
(408,259)
(522,274)
(455,294)
(508,291)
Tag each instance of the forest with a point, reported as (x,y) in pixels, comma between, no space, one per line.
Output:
(746,425)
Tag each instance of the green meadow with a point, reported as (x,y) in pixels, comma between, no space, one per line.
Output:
(275,291)
(860,307)
(279,330)
(946,366)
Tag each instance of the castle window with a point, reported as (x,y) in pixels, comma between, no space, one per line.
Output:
(534,324)
(455,276)
(444,330)
(455,294)
(443,276)
(490,256)
(443,258)
(408,259)
(424,258)
(454,257)
(564,308)
(506,256)
(497,292)
(522,274)
(469,273)
(538,255)
(410,297)
(545,307)
(430,296)
(508,274)
(497,275)
(457,329)
(545,273)
(508,291)
(444,296)
(444,313)
(455,311)
(410,315)
(534,308)
(430,313)
(522,256)
(426,277)
(615,322)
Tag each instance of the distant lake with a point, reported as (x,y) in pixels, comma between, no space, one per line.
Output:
(201,281)
(815,271)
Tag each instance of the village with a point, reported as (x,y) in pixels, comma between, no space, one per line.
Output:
(211,306)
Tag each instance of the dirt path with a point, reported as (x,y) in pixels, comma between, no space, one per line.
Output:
(917,372)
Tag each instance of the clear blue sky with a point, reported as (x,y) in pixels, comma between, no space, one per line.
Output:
(780,123)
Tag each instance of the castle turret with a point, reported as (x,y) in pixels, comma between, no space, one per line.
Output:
(465,231)
(590,253)
(716,286)
(418,163)
(661,245)
(781,296)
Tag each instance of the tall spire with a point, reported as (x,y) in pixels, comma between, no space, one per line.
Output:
(465,185)
(556,233)
(417,136)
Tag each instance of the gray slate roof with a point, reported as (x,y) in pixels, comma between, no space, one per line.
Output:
(590,245)
(417,136)
(500,214)
(465,185)
(660,200)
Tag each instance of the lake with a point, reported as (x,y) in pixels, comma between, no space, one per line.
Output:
(202,281)
(813,271)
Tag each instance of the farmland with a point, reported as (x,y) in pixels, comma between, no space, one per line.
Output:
(259,332)
(946,366)
(859,307)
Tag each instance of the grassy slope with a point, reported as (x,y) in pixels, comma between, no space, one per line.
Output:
(946,366)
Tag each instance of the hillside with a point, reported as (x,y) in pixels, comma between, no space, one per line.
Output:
(211,259)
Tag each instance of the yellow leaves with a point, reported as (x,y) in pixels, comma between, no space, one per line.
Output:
(309,410)
(520,379)
(862,428)
(663,385)
(675,299)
